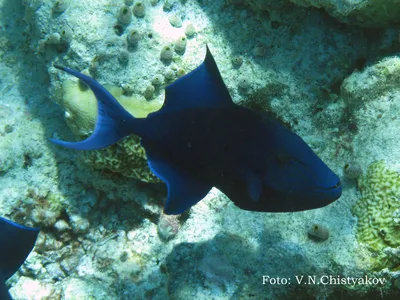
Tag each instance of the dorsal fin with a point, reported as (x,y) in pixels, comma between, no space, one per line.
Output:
(202,87)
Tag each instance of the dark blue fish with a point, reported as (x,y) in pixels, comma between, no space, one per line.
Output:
(16,242)
(200,139)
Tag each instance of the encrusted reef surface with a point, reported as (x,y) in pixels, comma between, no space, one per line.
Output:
(103,234)
(365,13)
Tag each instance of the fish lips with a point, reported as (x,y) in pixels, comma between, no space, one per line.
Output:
(329,194)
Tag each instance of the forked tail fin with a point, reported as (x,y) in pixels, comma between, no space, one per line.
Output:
(113,121)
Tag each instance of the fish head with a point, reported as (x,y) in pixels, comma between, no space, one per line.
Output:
(297,177)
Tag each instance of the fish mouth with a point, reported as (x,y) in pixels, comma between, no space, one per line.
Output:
(337,186)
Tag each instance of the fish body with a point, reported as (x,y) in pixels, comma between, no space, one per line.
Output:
(17,242)
(200,139)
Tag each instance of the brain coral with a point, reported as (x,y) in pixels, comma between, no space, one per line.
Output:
(378,212)
(127,157)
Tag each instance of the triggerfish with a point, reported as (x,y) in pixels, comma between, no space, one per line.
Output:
(17,242)
(200,139)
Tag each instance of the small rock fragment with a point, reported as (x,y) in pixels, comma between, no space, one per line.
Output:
(149,92)
(180,44)
(60,6)
(139,9)
(318,232)
(123,57)
(158,79)
(190,30)
(125,15)
(352,170)
(133,37)
(237,61)
(55,271)
(181,72)
(244,83)
(53,38)
(167,53)
(127,89)
(168,226)
(259,50)
(79,224)
(175,20)
(170,74)
(61,226)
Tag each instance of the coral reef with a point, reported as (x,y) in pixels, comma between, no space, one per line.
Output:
(127,158)
(371,97)
(372,82)
(40,208)
(106,239)
(367,13)
(378,212)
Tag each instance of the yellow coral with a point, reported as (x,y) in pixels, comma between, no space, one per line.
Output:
(378,210)
(127,157)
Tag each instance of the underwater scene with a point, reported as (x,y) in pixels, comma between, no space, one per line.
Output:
(199,149)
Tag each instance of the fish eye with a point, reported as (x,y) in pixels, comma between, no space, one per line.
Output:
(283,158)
